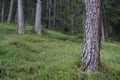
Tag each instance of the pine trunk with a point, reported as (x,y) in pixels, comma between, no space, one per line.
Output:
(49,14)
(16,17)
(2,12)
(38,25)
(91,51)
(21,29)
(10,11)
(54,22)
(103,31)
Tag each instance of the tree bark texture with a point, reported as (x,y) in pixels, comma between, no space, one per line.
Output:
(38,25)
(21,29)
(91,51)
(10,11)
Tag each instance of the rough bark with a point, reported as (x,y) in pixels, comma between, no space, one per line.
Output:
(91,51)
(21,29)
(10,12)
(38,25)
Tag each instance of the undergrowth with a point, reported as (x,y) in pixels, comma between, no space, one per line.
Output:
(52,56)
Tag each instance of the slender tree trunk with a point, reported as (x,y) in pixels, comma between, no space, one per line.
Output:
(54,22)
(10,11)
(2,12)
(72,25)
(106,29)
(16,16)
(91,51)
(47,9)
(38,25)
(111,30)
(60,2)
(29,15)
(32,16)
(21,27)
(103,32)
(72,20)
(49,14)
(105,25)
(0,9)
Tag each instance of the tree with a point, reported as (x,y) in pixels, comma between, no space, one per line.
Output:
(54,21)
(91,51)
(38,25)
(10,11)
(2,12)
(49,3)
(21,29)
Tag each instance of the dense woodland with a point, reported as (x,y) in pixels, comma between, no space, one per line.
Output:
(66,16)
(97,21)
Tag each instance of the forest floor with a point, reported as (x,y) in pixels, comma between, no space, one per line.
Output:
(52,56)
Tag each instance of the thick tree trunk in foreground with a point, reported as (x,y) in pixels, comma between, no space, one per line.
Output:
(21,29)
(91,51)
(10,11)
(38,25)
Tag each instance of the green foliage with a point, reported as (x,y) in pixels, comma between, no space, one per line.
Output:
(112,10)
(68,16)
(53,56)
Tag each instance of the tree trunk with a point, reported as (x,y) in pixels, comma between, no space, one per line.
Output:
(10,11)
(32,19)
(38,25)
(54,22)
(21,29)
(49,14)
(29,15)
(91,51)
(16,17)
(2,12)
(103,32)
(0,9)
(72,20)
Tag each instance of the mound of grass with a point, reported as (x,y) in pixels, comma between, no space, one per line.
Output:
(53,56)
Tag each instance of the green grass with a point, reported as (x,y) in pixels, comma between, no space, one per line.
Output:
(52,56)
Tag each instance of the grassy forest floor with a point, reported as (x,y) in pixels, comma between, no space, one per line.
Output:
(52,56)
